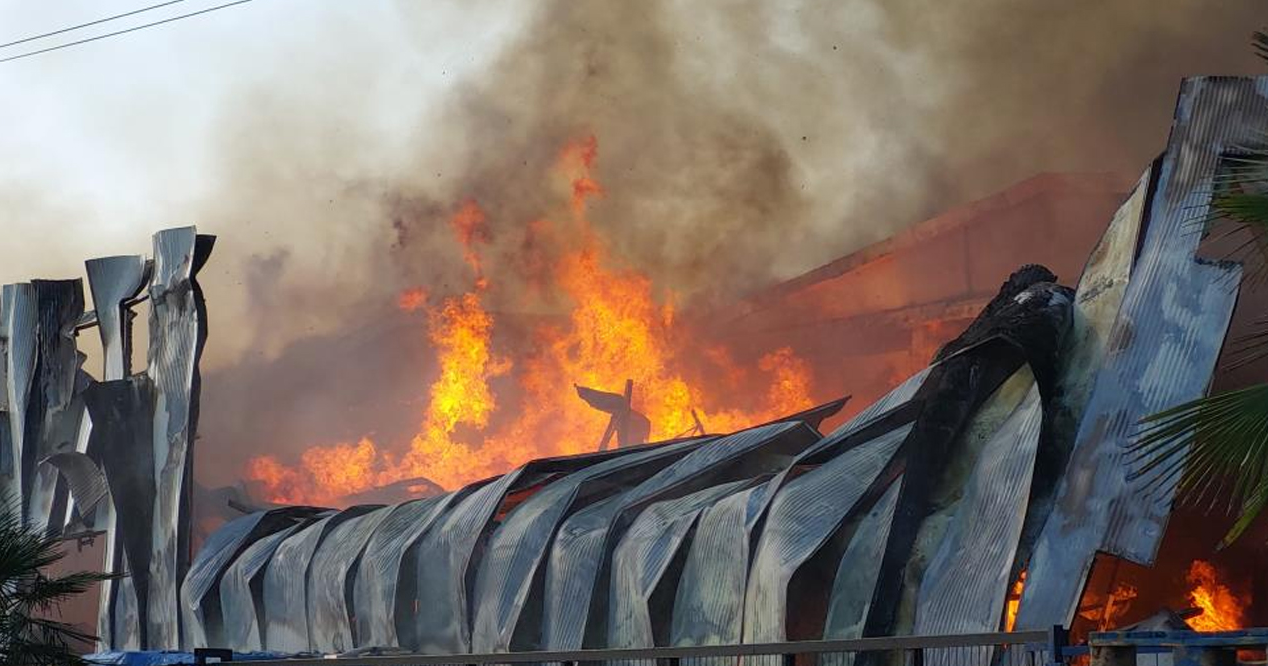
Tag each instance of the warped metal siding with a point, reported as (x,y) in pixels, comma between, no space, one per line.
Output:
(641,563)
(55,417)
(801,517)
(240,604)
(441,625)
(376,590)
(179,330)
(20,322)
(964,587)
(204,573)
(855,580)
(570,573)
(710,597)
(510,567)
(1163,348)
(286,583)
(582,575)
(329,615)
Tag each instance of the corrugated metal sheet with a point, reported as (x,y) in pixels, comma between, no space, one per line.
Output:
(285,589)
(570,573)
(641,564)
(216,553)
(241,598)
(509,570)
(444,554)
(113,282)
(802,516)
(87,483)
(1161,352)
(579,575)
(965,584)
(329,611)
(855,579)
(123,411)
(375,593)
(710,598)
(178,334)
(20,323)
(54,421)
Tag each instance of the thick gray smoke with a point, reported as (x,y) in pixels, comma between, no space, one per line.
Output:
(739,143)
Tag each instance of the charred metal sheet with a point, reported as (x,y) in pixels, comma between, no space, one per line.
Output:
(508,597)
(22,347)
(442,624)
(1160,353)
(570,573)
(378,600)
(86,481)
(581,578)
(643,564)
(115,282)
(803,515)
(965,584)
(202,623)
(855,578)
(52,421)
(242,593)
(285,589)
(709,601)
(333,570)
(449,555)
(122,444)
(178,331)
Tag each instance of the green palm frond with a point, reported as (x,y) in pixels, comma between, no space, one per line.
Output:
(1248,348)
(1216,446)
(30,596)
(1260,43)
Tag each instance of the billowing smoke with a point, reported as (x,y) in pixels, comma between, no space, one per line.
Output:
(740,143)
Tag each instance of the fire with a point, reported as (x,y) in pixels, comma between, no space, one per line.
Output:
(617,327)
(411,300)
(1221,609)
(1013,602)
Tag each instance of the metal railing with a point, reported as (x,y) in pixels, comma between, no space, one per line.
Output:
(1024,648)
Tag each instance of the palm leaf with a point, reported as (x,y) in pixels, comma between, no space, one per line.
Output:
(1249,347)
(1216,446)
(1260,43)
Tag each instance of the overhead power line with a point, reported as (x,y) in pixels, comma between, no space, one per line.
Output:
(125,31)
(88,24)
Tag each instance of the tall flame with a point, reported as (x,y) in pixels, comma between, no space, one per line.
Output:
(616,329)
(1221,609)
(1012,603)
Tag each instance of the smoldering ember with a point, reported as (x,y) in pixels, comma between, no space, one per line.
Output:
(1007,478)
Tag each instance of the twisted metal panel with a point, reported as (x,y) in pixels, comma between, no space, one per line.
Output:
(964,587)
(285,589)
(242,595)
(377,599)
(20,324)
(1161,352)
(802,516)
(52,420)
(509,580)
(178,331)
(329,611)
(641,563)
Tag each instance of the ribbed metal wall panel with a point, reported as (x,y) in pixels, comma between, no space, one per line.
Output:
(1162,350)
(375,593)
(965,584)
(802,516)
(642,558)
(329,614)
(516,550)
(240,604)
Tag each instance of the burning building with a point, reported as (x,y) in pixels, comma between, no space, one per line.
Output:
(974,495)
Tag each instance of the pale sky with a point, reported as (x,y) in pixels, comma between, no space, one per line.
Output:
(107,142)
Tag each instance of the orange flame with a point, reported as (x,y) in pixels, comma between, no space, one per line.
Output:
(616,329)
(1221,609)
(411,300)
(1013,602)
